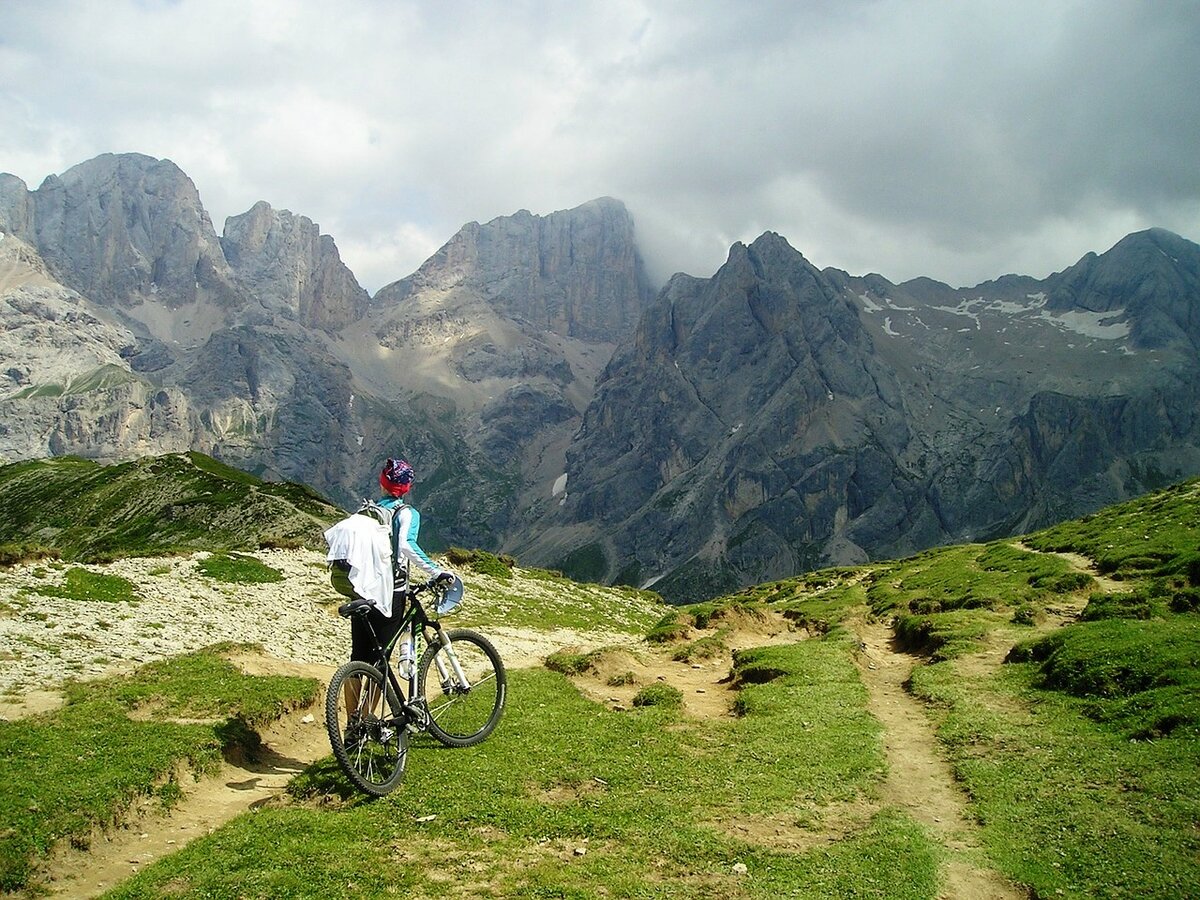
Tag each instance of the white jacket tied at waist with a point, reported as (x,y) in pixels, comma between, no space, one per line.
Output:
(366,545)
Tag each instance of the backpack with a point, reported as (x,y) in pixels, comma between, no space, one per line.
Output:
(339,569)
(384,516)
(378,512)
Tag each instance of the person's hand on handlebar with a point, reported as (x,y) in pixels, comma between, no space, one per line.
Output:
(441,579)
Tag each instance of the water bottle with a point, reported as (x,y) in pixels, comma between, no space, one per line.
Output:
(406,656)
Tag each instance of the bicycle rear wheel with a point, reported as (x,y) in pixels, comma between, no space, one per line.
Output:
(366,728)
(465,704)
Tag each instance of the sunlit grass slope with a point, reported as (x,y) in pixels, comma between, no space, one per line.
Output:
(89,512)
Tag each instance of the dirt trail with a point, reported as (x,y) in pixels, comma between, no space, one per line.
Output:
(291,744)
(295,741)
(919,780)
(1080,563)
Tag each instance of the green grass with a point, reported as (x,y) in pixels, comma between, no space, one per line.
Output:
(1155,535)
(971,576)
(81,766)
(536,598)
(816,601)
(16,552)
(1069,805)
(238,568)
(1143,677)
(157,505)
(643,793)
(659,694)
(572,662)
(82,584)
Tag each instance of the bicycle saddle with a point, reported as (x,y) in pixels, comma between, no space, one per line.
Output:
(359,607)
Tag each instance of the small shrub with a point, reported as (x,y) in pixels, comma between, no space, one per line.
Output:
(674,626)
(482,562)
(1066,584)
(1186,600)
(705,648)
(659,694)
(622,679)
(1131,605)
(13,554)
(489,564)
(1025,614)
(279,542)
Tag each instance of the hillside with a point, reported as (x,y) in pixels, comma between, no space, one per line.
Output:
(81,510)
(1018,718)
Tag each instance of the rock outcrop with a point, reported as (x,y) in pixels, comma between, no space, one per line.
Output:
(575,273)
(292,269)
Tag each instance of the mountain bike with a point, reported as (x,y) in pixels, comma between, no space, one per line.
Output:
(455,691)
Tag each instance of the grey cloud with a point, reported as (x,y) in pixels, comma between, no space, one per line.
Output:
(959,140)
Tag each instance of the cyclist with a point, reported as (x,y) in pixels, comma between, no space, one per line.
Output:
(395,480)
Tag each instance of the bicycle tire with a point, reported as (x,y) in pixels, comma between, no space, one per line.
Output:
(376,757)
(458,717)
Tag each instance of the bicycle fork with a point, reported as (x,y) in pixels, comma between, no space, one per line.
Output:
(459,682)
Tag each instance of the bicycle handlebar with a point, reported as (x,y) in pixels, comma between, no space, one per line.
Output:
(361,606)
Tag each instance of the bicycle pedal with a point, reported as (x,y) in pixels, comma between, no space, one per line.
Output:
(417,717)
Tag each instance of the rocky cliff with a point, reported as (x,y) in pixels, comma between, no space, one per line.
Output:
(287,265)
(776,417)
(130,328)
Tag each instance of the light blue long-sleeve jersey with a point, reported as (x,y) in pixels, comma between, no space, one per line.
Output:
(406,523)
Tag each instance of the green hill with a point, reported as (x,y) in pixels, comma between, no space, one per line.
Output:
(85,511)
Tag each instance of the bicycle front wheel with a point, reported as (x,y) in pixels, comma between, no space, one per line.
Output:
(465,701)
(366,728)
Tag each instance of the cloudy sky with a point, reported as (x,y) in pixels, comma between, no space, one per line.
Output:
(960,140)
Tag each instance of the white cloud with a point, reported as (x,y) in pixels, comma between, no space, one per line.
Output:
(959,140)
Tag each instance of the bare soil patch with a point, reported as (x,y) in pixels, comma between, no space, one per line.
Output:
(617,674)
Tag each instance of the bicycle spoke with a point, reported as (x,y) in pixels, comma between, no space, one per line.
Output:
(367,738)
(462,713)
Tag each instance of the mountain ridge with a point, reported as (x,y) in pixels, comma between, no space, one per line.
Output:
(770,418)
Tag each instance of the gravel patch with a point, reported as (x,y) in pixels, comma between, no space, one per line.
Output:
(47,640)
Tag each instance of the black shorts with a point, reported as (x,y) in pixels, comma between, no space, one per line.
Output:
(362,644)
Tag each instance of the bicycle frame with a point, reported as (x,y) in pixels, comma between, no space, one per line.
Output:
(416,624)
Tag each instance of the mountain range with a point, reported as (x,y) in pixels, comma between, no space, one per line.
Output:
(769,419)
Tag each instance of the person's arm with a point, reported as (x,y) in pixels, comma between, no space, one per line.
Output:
(407,525)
